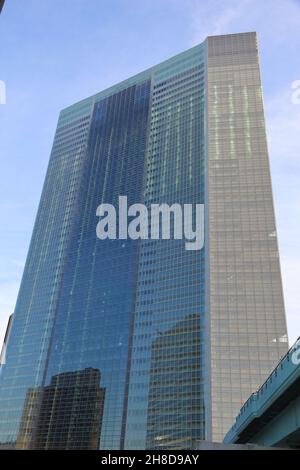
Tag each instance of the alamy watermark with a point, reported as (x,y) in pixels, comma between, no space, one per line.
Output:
(2,92)
(296,353)
(296,94)
(161,221)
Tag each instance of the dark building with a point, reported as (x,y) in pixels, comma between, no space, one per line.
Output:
(187,131)
(3,349)
(67,414)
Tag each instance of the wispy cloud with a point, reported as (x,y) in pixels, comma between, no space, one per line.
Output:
(229,16)
(215,17)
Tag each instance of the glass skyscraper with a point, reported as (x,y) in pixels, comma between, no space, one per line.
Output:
(136,344)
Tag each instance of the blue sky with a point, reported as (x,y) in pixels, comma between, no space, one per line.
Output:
(56,52)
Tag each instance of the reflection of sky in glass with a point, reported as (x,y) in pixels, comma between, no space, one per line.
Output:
(92,326)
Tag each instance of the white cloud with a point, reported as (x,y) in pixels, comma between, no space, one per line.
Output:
(215,17)
(276,21)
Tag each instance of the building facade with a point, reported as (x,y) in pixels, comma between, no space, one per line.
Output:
(180,338)
(67,414)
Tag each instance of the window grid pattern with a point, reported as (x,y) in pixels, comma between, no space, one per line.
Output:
(143,344)
(166,393)
(93,319)
(30,334)
(248,329)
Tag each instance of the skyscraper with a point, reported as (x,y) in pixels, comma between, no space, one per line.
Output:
(179,337)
